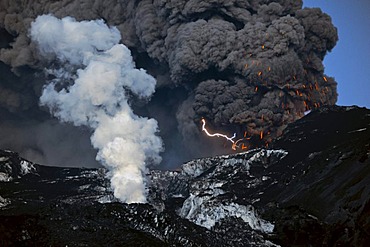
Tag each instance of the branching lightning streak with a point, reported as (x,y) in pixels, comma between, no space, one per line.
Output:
(216,134)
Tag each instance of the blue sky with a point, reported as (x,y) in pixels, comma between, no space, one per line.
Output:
(349,61)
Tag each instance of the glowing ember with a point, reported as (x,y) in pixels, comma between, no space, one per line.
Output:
(216,134)
(236,145)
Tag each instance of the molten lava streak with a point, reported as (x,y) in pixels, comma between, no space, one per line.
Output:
(217,134)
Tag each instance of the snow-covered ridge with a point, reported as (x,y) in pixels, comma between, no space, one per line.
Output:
(207,205)
(264,154)
(196,167)
(12,166)
(206,212)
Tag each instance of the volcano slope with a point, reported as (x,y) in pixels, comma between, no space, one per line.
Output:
(310,188)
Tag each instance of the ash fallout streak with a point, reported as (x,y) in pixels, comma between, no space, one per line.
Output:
(249,67)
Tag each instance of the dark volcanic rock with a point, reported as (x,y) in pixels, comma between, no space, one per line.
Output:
(327,171)
(310,189)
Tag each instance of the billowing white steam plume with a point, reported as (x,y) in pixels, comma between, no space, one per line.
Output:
(98,97)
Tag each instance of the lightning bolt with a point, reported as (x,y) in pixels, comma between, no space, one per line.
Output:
(217,134)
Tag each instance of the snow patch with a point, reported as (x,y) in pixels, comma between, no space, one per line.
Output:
(271,244)
(209,188)
(27,167)
(359,130)
(348,108)
(90,173)
(196,167)
(263,154)
(84,187)
(206,212)
(5,177)
(106,199)
(2,159)
(313,217)
(268,153)
(73,177)
(100,189)
(5,171)
(4,202)
(178,196)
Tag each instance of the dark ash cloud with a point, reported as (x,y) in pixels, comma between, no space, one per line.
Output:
(249,67)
